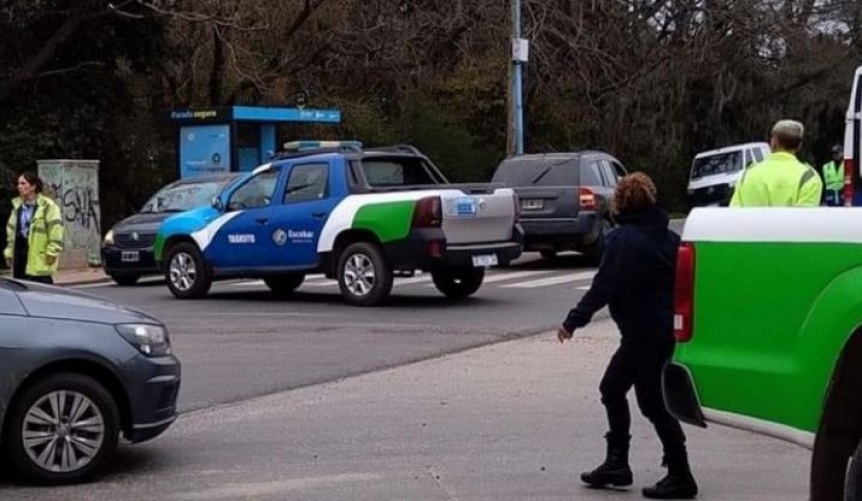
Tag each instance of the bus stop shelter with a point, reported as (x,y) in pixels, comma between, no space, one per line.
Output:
(235,138)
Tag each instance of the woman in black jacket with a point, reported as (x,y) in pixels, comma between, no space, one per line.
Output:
(636,281)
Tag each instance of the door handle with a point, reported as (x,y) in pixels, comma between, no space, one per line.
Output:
(262,220)
(318,215)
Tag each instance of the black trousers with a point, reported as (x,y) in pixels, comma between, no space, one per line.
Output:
(640,367)
(19,263)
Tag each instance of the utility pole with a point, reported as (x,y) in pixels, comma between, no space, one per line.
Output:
(519,56)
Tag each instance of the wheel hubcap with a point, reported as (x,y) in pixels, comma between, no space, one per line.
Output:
(63,431)
(183,272)
(359,274)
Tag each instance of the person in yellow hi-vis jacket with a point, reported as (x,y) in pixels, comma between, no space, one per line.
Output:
(34,233)
(781,180)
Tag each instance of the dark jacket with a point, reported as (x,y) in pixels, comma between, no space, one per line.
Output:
(635,279)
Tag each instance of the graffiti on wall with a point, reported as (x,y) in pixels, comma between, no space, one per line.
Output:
(75,188)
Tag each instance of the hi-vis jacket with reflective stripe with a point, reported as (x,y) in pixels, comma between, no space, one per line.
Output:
(779,181)
(46,236)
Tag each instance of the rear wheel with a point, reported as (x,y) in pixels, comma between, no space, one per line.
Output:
(458,283)
(853,482)
(284,284)
(125,279)
(595,250)
(364,277)
(186,273)
(62,429)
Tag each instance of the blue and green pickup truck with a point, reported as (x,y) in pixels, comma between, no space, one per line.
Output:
(359,216)
(769,327)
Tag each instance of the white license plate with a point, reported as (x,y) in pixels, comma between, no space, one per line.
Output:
(130,256)
(532,204)
(485,260)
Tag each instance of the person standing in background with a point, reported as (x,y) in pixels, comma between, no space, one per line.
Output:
(34,233)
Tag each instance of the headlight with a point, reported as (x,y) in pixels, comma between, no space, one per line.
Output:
(109,237)
(150,339)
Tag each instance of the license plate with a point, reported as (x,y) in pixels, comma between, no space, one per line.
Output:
(485,260)
(130,256)
(532,204)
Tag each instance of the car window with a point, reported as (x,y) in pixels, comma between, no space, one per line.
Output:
(532,171)
(306,182)
(255,193)
(758,154)
(386,172)
(590,175)
(722,163)
(619,170)
(184,196)
(748,157)
(608,172)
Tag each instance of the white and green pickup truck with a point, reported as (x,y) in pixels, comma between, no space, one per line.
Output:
(358,216)
(769,323)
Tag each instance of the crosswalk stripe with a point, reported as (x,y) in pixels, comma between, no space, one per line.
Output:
(543,282)
(501,277)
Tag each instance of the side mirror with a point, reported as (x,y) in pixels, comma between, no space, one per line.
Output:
(217,204)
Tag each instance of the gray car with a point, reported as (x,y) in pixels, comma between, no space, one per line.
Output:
(76,371)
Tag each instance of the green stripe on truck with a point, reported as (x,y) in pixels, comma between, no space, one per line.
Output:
(390,221)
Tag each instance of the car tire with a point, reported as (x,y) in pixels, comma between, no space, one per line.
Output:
(853,481)
(284,284)
(186,273)
(93,443)
(458,283)
(125,279)
(595,250)
(364,277)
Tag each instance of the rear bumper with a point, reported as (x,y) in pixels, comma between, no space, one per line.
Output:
(680,396)
(427,250)
(560,233)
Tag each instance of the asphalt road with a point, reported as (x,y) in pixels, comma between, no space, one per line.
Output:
(241,341)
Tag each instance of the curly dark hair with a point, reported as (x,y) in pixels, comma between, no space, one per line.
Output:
(633,192)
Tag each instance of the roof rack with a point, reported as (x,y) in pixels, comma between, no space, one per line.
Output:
(398,148)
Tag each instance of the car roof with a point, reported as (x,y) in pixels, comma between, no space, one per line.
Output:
(732,147)
(207,178)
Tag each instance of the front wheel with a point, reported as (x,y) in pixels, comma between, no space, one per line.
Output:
(364,277)
(458,283)
(186,273)
(63,429)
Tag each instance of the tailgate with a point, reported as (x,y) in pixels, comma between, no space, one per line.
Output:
(548,202)
(477,218)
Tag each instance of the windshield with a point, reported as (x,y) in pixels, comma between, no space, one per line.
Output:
(183,197)
(723,163)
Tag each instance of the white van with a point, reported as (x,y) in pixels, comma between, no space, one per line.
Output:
(714,173)
(853,144)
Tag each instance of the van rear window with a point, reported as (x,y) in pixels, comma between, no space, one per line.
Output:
(537,172)
(723,163)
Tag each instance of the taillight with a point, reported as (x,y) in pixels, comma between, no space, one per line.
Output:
(683,307)
(587,199)
(428,213)
(849,168)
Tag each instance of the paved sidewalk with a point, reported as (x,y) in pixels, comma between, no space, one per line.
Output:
(82,276)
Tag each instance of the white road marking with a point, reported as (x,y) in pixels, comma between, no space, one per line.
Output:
(544,282)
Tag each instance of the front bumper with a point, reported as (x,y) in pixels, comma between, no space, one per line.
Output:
(718,194)
(112,259)
(680,395)
(153,385)
(561,233)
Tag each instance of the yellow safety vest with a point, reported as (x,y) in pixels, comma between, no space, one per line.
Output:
(779,181)
(46,236)
(833,174)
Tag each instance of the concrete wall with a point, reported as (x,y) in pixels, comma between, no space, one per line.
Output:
(74,185)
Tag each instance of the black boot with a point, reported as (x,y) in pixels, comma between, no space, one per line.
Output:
(677,484)
(615,470)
